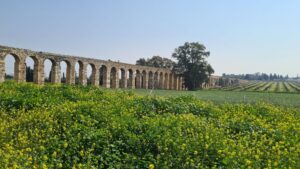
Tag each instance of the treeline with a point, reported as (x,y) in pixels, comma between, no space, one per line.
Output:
(257,76)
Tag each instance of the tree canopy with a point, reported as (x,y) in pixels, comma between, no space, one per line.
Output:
(156,61)
(192,64)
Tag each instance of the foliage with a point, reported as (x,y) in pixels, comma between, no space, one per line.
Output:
(29,74)
(85,127)
(257,76)
(192,64)
(156,61)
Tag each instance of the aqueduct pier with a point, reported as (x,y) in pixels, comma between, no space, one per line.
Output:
(110,74)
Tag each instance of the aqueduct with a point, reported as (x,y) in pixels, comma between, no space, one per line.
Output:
(110,74)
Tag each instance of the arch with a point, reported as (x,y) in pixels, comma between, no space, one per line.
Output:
(166,80)
(170,81)
(175,81)
(64,71)
(78,72)
(130,80)
(11,73)
(114,78)
(161,80)
(32,69)
(151,80)
(138,79)
(51,71)
(122,78)
(144,80)
(156,80)
(103,76)
(91,72)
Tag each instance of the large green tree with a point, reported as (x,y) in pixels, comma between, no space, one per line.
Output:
(156,61)
(192,64)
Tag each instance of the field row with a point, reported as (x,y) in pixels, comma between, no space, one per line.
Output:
(261,86)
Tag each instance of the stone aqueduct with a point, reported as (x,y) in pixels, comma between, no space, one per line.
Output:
(114,74)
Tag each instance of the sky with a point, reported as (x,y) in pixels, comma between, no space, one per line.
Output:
(243,36)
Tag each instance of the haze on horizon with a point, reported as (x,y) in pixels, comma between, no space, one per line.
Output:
(242,36)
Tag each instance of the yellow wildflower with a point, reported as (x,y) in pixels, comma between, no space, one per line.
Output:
(151,166)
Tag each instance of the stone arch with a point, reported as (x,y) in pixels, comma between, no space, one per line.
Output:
(11,57)
(114,78)
(138,79)
(131,79)
(80,73)
(156,80)
(171,81)
(92,74)
(166,81)
(151,80)
(122,78)
(54,72)
(65,71)
(144,80)
(89,70)
(175,81)
(33,74)
(103,75)
(161,80)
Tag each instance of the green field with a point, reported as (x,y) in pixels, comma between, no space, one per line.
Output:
(220,96)
(61,126)
(263,86)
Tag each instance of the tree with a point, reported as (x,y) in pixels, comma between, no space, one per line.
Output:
(29,74)
(63,79)
(156,61)
(192,64)
(142,62)
(50,76)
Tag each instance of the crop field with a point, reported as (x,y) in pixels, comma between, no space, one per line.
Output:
(261,86)
(222,96)
(57,126)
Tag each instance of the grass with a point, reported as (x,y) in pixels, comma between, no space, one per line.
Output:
(219,96)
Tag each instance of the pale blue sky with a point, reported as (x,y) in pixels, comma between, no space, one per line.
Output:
(242,36)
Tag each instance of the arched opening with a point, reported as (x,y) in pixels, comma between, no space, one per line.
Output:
(161,80)
(77,72)
(151,80)
(138,80)
(113,77)
(64,71)
(31,69)
(144,81)
(103,76)
(11,62)
(175,82)
(170,81)
(122,78)
(90,72)
(166,81)
(156,80)
(130,83)
(49,73)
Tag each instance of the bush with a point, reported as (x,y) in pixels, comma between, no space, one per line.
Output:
(87,127)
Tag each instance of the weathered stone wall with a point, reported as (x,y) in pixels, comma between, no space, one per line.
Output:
(113,74)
